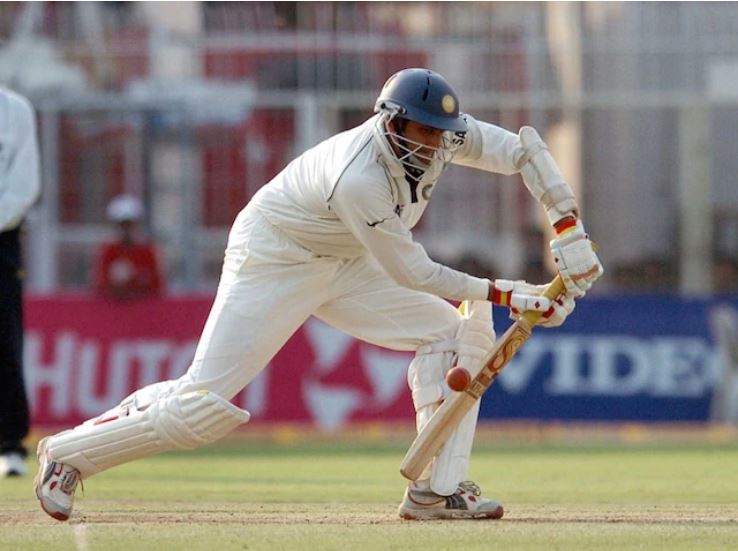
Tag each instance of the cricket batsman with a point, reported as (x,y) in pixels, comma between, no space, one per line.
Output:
(331,236)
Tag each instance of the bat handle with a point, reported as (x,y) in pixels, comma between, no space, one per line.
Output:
(554,289)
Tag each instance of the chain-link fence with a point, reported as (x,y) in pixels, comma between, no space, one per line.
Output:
(195,106)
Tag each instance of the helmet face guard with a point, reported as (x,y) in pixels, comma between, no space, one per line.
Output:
(415,157)
(424,97)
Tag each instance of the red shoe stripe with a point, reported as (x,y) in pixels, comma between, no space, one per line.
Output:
(106,419)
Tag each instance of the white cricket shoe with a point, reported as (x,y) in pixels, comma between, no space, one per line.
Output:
(12,464)
(466,503)
(55,484)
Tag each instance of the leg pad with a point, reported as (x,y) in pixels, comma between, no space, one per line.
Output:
(179,421)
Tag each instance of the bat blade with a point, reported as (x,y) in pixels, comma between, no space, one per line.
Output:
(435,434)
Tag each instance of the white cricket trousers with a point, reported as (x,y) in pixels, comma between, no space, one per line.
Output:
(270,285)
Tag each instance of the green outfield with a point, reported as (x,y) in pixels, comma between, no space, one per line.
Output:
(251,495)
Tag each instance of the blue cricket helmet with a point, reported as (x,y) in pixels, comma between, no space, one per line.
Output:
(423,96)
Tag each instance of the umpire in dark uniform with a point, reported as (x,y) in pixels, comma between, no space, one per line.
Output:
(19,188)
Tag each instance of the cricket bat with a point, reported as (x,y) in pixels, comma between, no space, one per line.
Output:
(447,417)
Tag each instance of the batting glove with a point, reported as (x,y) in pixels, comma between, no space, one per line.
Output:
(519,296)
(574,256)
(555,315)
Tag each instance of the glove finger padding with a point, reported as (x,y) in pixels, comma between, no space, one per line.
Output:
(556,314)
(559,311)
(525,302)
(576,260)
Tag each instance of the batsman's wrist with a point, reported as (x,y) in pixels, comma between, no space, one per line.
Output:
(566,225)
(500,292)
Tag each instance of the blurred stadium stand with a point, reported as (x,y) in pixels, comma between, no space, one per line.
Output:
(194,106)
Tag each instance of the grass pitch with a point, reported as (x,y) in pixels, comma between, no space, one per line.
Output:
(251,495)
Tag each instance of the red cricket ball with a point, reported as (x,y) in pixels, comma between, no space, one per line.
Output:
(458,379)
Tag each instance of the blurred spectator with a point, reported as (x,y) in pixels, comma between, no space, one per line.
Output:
(127,268)
(534,245)
(725,275)
(535,271)
(658,275)
(723,320)
(19,188)
(653,275)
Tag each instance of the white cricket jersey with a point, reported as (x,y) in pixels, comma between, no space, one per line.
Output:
(20,182)
(348,196)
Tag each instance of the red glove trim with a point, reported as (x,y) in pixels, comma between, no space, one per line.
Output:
(501,297)
(564,225)
(548,313)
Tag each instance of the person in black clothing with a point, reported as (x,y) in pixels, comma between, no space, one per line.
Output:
(19,189)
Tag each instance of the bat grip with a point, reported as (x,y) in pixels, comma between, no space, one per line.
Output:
(554,289)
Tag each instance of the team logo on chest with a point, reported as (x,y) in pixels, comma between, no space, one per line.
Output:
(425,191)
